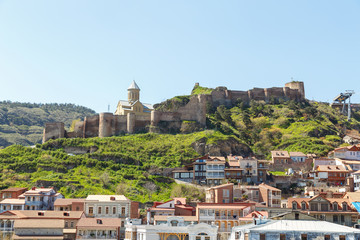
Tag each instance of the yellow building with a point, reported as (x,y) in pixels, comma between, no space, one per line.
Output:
(133,105)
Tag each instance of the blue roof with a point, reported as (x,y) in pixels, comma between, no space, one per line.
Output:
(356,205)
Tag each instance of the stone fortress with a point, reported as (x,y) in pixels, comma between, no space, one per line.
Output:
(133,116)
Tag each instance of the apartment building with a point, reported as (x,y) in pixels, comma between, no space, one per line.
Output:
(297,157)
(69,204)
(336,210)
(100,228)
(349,152)
(12,204)
(280,157)
(13,192)
(250,170)
(224,215)
(40,198)
(108,206)
(270,196)
(220,194)
(333,174)
(262,168)
(215,170)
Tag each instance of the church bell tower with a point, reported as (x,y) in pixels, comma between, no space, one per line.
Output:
(133,92)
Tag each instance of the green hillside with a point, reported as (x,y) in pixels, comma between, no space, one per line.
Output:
(132,165)
(309,127)
(139,165)
(23,123)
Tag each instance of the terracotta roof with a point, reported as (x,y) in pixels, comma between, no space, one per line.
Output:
(39,223)
(186,218)
(234,163)
(94,223)
(234,158)
(16,237)
(13,201)
(331,168)
(354,196)
(224,205)
(218,157)
(67,201)
(14,189)
(221,186)
(297,154)
(106,198)
(283,154)
(162,209)
(269,187)
(34,214)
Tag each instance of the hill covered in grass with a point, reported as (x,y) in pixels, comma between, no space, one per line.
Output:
(23,123)
(309,127)
(134,165)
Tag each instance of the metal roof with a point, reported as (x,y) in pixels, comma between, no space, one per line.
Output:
(133,85)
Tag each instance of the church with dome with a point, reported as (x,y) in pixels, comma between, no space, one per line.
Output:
(133,104)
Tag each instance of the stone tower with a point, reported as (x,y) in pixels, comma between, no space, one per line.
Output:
(133,92)
(297,85)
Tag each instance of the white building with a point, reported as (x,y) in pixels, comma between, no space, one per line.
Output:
(350,152)
(107,206)
(297,156)
(356,176)
(40,198)
(174,229)
(12,204)
(293,229)
(250,172)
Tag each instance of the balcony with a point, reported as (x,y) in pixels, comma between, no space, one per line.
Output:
(97,237)
(248,166)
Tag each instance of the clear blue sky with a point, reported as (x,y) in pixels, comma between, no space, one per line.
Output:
(87,52)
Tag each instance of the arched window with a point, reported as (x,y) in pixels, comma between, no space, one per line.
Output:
(335,206)
(174,223)
(294,205)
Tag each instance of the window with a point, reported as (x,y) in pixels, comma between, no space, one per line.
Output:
(296,216)
(303,206)
(99,210)
(294,205)
(342,237)
(107,210)
(314,207)
(327,237)
(91,210)
(77,209)
(282,237)
(344,207)
(262,236)
(303,236)
(114,210)
(342,218)
(226,192)
(335,218)
(42,199)
(66,224)
(123,211)
(335,206)
(72,224)
(122,224)
(324,207)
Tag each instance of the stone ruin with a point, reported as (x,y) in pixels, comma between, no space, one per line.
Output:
(108,124)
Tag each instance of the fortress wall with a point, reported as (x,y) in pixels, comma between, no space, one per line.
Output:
(91,126)
(275,92)
(120,125)
(235,95)
(195,109)
(106,125)
(53,131)
(294,94)
(299,86)
(257,94)
(168,116)
(221,96)
(78,129)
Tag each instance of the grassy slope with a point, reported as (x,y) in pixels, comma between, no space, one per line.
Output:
(306,127)
(23,123)
(127,164)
